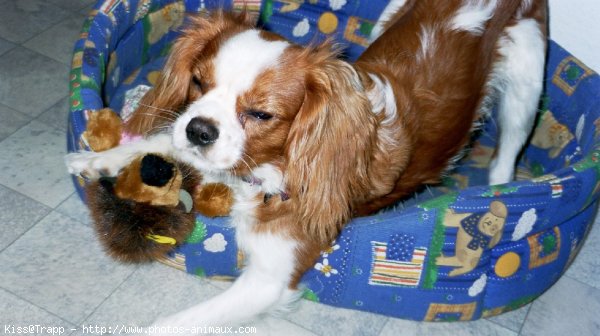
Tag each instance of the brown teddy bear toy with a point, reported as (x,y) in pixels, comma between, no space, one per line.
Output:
(148,208)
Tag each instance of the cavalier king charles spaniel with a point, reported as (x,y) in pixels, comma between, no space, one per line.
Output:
(307,140)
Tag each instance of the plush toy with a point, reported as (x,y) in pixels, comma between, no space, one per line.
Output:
(148,208)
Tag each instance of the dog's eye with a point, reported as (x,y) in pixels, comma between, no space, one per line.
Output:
(200,85)
(259,115)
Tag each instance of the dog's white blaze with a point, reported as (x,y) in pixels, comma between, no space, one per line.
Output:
(239,62)
(243,57)
(473,16)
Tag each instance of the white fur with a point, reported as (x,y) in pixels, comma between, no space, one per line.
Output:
(473,16)
(428,39)
(519,75)
(391,9)
(271,177)
(263,285)
(240,60)
(261,288)
(382,99)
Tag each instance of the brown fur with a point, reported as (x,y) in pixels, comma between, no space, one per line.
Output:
(434,89)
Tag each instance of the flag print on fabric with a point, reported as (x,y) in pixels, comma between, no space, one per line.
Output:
(397,263)
(248,5)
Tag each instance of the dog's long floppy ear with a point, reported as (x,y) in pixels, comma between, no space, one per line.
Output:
(168,97)
(329,147)
(170,92)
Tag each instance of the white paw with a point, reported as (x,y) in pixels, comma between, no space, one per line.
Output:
(500,173)
(92,165)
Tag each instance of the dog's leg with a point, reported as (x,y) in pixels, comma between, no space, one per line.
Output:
(262,287)
(519,75)
(93,165)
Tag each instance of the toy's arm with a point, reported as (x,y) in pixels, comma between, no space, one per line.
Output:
(93,165)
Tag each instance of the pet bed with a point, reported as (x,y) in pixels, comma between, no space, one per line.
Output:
(401,262)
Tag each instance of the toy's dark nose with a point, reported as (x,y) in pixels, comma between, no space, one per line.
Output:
(201,131)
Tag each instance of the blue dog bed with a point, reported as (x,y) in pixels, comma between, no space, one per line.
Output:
(401,262)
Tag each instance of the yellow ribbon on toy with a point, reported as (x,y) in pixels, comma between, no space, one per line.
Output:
(161,239)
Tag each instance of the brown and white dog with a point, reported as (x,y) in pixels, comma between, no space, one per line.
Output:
(307,140)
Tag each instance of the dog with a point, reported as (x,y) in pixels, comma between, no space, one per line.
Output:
(307,140)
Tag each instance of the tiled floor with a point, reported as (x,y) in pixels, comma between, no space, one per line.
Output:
(53,272)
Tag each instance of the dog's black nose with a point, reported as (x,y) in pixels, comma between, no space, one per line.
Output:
(201,132)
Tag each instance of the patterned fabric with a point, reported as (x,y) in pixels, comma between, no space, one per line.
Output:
(388,270)
(403,262)
(312,21)
(478,238)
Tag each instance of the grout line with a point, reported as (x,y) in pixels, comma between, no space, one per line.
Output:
(387,320)
(13,46)
(62,62)
(69,15)
(526,318)
(35,115)
(526,307)
(46,205)
(73,10)
(50,210)
(35,305)
(384,325)
(505,327)
(91,224)
(580,281)
(31,119)
(137,267)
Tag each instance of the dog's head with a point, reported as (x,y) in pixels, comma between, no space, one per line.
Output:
(242,100)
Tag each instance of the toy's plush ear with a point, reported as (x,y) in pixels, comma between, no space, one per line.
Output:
(150,179)
(213,199)
(103,130)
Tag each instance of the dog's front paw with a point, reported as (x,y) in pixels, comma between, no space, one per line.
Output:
(90,165)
